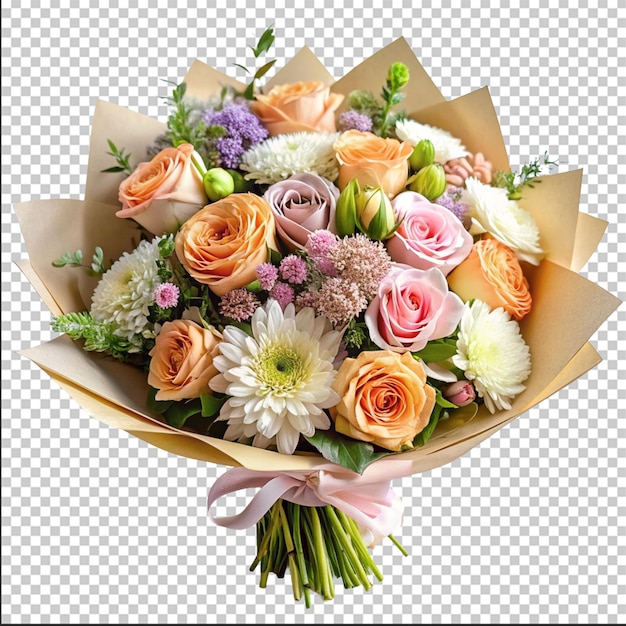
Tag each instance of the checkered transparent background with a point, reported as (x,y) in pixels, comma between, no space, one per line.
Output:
(99,527)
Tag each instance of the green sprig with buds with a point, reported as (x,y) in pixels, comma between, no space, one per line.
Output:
(514,182)
(75,259)
(397,79)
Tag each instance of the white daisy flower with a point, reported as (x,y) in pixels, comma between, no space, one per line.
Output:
(279,379)
(446,146)
(278,158)
(126,291)
(492,212)
(493,354)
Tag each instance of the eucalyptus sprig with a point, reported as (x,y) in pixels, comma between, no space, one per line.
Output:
(123,160)
(263,45)
(514,182)
(74,259)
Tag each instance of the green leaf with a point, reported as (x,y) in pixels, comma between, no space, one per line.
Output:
(211,405)
(351,454)
(426,434)
(275,256)
(442,402)
(264,70)
(248,93)
(158,406)
(436,351)
(113,170)
(179,412)
(245,69)
(265,42)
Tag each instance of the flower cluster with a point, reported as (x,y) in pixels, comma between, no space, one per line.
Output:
(350,247)
(316,275)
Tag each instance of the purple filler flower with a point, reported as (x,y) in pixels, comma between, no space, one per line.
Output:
(166,295)
(353,120)
(243,130)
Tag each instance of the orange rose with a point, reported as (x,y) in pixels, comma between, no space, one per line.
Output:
(384,399)
(493,274)
(161,194)
(304,106)
(182,360)
(373,161)
(223,243)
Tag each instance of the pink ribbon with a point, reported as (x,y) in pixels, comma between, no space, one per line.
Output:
(366,498)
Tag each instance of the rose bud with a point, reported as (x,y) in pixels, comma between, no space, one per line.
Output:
(374,214)
(345,215)
(218,183)
(430,181)
(423,155)
(460,393)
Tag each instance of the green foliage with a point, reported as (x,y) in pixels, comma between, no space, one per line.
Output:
(74,259)
(437,350)
(349,453)
(98,336)
(123,163)
(364,102)
(263,45)
(514,182)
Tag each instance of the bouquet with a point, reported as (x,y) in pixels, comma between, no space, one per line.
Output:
(325,285)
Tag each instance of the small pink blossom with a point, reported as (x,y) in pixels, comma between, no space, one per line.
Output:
(238,304)
(460,393)
(166,295)
(267,275)
(293,269)
(283,294)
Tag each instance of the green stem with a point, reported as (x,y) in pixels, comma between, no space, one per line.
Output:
(398,545)
(328,592)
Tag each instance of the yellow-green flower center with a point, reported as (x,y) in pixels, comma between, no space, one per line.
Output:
(279,369)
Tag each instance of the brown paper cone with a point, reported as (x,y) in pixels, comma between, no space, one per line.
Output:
(567,308)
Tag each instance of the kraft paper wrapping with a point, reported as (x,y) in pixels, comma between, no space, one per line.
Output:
(567,308)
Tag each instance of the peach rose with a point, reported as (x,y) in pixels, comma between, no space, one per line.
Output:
(493,274)
(223,243)
(182,360)
(373,161)
(161,194)
(384,399)
(303,106)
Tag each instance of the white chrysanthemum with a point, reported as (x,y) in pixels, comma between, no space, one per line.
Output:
(126,291)
(278,158)
(493,354)
(492,212)
(279,379)
(446,146)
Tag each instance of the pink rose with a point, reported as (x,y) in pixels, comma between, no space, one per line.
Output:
(411,308)
(302,204)
(430,235)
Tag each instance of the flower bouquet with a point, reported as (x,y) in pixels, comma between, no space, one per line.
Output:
(325,285)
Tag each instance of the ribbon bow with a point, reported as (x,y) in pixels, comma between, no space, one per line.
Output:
(366,498)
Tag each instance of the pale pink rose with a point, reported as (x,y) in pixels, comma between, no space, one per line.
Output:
(411,308)
(161,194)
(430,235)
(302,204)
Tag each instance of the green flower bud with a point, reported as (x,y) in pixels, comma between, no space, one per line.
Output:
(374,213)
(345,214)
(398,76)
(423,155)
(218,183)
(241,184)
(430,181)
